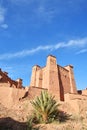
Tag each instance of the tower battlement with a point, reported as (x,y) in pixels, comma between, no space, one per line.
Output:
(56,79)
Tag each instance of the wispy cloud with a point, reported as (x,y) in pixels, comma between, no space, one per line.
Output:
(45,11)
(82,51)
(80,43)
(39,11)
(19,2)
(2,18)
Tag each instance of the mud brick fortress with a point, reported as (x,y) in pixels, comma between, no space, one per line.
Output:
(57,80)
(6,80)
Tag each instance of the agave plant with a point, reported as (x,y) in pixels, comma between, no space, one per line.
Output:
(45,107)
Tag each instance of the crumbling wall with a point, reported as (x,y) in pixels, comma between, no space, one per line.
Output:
(70,96)
(5,79)
(84,92)
(33,92)
(9,96)
(77,102)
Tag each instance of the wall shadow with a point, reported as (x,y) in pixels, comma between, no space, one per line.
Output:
(11,124)
(61,86)
(25,95)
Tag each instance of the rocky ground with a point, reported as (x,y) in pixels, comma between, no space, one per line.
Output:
(15,118)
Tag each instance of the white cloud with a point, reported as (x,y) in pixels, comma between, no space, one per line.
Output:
(19,2)
(2,18)
(4,26)
(82,51)
(46,10)
(80,43)
(41,9)
(2,14)
(44,13)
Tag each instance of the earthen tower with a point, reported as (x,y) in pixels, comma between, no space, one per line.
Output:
(56,79)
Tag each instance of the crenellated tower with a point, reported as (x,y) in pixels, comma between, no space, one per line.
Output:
(56,79)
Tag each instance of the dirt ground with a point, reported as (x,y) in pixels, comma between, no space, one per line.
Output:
(15,118)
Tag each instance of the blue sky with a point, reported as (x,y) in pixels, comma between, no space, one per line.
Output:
(30,30)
